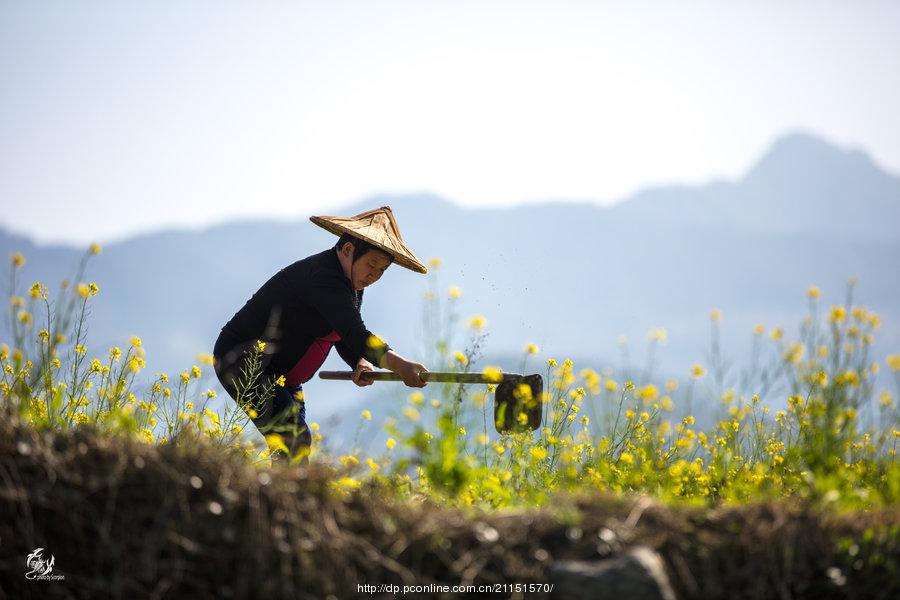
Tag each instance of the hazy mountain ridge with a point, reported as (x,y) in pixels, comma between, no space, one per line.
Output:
(570,276)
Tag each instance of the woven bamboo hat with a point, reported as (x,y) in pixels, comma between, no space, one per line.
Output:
(379,228)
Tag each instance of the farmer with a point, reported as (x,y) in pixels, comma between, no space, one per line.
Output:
(305,309)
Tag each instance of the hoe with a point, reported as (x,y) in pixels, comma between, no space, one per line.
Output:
(515,394)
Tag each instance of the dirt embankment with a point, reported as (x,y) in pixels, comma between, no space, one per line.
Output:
(125,519)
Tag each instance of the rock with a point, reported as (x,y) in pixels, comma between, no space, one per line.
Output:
(639,575)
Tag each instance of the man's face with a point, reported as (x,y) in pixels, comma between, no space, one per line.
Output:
(369,269)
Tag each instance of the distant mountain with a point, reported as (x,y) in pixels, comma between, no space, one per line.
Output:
(801,185)
(568,276)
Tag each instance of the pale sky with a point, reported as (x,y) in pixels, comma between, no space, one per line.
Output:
(123,117)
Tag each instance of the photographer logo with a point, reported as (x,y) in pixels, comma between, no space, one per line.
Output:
(40,568)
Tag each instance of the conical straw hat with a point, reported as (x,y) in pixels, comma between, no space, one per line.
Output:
(379,228)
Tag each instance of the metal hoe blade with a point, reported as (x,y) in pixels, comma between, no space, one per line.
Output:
(515,397)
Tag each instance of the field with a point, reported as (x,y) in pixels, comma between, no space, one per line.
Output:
(779,480)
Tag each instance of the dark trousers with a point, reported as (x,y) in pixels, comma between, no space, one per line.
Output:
(283,413)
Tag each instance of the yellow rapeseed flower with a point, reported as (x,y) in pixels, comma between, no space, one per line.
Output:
(530,349)
(375,342)
(837,314)
(347,482)
(850,377)
(410,413)
(366,415)
(493,374)
(434,262)
(37,290)
(390,443)
(276,442)
(17,259)
(538,452)
(417,398)
(260,345)
(794,354)
(195,372)
(96,248)
(658,334)
(813,292)
(893,361)
(649,393)
(874,320)
(715,315)
(206,359)
(697,371)
(478,322)
(461,358)
(214,417)
(348,460)
(280,381)
(728,396)
(454,292)
(523,392)
(611,385)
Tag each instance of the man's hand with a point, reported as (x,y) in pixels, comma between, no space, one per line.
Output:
(362,365)
(408,370)
(410,373)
